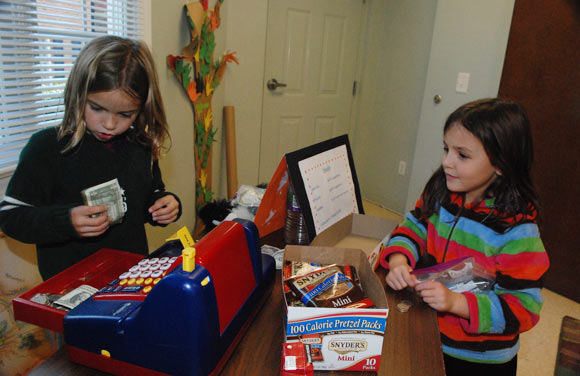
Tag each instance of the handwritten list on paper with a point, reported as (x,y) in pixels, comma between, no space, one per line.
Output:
(329,187)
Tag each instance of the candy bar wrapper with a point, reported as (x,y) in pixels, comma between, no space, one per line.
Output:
(313,344)
(296,360)
(293,269)
(331,286)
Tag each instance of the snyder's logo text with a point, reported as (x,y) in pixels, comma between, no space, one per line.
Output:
(346,346)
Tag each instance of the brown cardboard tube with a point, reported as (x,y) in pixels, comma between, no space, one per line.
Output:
(231,161)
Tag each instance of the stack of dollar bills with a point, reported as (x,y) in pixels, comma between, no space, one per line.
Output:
(108,194)
(76,296)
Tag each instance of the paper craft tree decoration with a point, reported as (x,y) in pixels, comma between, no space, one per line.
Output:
(200,76)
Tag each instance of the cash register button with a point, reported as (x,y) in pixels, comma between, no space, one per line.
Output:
(154,260)
(117,289)
(135,274)
(139,281)
(146,274)
(148,281)
(165,267)
(144,262)
(146,289)
(134,268)
(113,283)
(142,268)
(172,260)
(131,281)
(123,282)
(156,281)
(157,273)
(154,267)
(124,275)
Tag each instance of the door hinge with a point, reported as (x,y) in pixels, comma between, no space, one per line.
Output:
(354,88)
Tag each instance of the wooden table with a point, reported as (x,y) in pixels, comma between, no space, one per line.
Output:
(411,346)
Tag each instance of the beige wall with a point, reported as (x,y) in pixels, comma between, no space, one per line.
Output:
(246,34)
(169,33)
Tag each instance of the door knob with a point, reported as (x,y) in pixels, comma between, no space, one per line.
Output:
(437,99)
(273,84)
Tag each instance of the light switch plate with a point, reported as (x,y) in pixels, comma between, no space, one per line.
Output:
(462,82)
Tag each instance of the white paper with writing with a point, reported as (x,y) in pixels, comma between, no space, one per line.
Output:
(329,187)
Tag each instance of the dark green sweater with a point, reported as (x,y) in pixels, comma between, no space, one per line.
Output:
(47,184)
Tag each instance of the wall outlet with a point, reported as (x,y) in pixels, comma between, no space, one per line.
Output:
(402,167)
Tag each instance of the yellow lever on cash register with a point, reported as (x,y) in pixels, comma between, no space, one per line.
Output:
(184,236)
(188,255)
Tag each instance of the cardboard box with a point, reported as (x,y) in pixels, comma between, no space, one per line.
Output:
(343,338)
(370,234)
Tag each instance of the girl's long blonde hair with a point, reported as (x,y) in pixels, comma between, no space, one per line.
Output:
(108,63)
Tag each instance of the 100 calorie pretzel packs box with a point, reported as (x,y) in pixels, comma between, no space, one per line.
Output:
(341,330)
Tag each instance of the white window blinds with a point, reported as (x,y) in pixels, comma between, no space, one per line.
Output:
(39,42)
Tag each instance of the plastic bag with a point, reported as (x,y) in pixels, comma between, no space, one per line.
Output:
(459,275)
(248,195)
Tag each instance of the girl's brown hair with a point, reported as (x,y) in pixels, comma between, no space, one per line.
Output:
(503,128)
(109,63)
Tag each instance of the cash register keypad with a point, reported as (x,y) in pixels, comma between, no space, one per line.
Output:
(135,283)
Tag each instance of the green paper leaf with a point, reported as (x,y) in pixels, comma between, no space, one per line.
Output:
(185,75)
(210,139)
(199,149)
(200,107)
(204,70)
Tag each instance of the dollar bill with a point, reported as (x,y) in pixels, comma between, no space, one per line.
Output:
(108,194)
(76,296)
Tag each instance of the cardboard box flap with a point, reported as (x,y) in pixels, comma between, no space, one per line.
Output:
(369,226)
(355,224)
(337,231)
(342,256)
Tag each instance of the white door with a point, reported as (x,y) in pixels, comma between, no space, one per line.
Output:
(311,48)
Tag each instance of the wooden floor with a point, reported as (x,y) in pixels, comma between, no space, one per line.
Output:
(538,347)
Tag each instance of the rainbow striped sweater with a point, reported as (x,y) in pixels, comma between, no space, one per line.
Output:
(516,257)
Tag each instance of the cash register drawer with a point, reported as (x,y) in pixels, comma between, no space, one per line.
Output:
(96,270)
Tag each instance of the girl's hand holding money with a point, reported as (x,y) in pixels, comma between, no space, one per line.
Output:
(90,220)
(165,210)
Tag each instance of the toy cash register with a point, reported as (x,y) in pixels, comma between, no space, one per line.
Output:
(179,311)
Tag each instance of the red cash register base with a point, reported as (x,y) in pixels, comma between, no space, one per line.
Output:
(188,323)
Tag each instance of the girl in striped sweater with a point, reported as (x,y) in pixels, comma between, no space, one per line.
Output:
(481,202)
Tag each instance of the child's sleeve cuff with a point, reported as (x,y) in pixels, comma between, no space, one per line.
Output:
(471,325)
(62,223)
(395,249)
